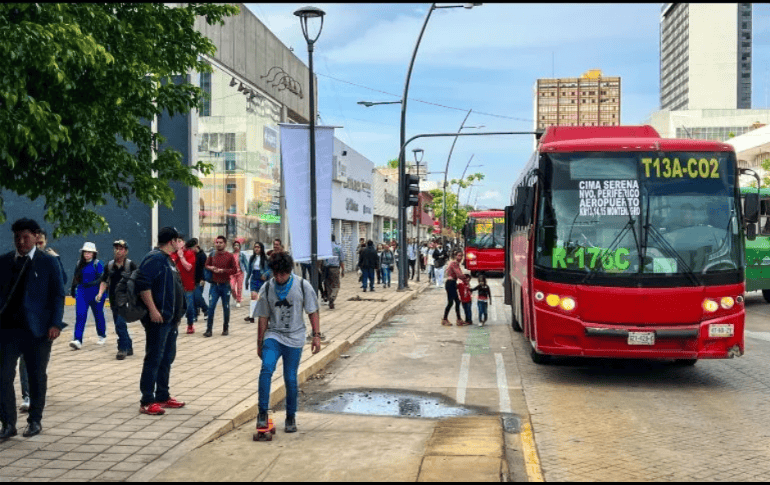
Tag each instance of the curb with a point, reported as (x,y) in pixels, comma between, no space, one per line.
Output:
(247,409)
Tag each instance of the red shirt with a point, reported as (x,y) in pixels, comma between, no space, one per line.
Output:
(223,260)
(464,291)
(188,277)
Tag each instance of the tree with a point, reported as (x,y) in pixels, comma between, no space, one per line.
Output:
(393,163)
(766,167)
(456,215)
(79,84)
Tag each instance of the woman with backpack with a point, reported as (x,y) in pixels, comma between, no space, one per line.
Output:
(257,273)
(85,287)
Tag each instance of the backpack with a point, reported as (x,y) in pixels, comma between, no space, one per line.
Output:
(301,285)
(127,302)
(111,264)
(208,276)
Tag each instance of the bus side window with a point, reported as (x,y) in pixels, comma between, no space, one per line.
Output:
(764,216)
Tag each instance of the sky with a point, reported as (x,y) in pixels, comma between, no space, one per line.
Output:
(485,59)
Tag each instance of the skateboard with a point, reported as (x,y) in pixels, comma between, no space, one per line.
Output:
(265,434)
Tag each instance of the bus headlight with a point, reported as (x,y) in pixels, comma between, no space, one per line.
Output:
(539,296)
(470,256)
(568,304)
(710,305)
(727,302)
(552,300)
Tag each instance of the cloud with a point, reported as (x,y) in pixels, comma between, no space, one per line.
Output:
(489,194)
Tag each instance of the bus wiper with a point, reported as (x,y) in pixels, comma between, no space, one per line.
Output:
(672,252)
(610,250)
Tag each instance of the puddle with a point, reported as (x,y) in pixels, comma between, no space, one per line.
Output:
(358,298)
(390,403)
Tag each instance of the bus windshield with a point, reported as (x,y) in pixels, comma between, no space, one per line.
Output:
(639,213)
(486,232)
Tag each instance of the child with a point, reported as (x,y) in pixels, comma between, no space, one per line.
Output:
(484,298)
(464,291)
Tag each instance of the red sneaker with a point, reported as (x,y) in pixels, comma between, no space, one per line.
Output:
(171,404)
(190,329)
(153,409)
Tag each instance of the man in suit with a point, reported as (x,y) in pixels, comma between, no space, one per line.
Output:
(31,310)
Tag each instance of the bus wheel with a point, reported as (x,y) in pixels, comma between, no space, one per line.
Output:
(475,274)
(685,362)
(766,294)
(514,322)
(540,359)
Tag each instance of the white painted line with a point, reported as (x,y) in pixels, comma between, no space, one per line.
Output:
(493,310)
(462,382)
(757,335)
(502,385)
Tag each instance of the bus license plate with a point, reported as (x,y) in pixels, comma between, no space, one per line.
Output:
(641,338)
(721,330)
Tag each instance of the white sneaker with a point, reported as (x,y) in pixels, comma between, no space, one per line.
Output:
(101,340)
(237,305)
(24,408)
(75,344)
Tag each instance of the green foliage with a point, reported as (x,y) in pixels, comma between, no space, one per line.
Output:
(766,179)
(78,84)
(393,163)
(455,215)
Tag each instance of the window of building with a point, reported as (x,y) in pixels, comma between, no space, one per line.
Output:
(205,82)
(230,188)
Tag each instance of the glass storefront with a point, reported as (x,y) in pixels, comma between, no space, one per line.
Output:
(238,135)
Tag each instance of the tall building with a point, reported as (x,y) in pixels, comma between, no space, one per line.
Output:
(588,100)
(705,56)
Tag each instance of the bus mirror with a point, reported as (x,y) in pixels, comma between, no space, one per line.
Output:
(751,231)
(751,208)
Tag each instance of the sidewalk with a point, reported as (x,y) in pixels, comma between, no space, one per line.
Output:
(92,429)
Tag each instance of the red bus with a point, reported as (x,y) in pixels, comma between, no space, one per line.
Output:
(620,243)
(484,241)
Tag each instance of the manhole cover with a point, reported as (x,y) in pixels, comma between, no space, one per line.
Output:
(388,403)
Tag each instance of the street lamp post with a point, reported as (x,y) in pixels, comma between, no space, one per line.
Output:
(419,209)
(304,15)
(402,280)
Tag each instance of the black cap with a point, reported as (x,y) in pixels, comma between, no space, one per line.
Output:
(29,224)
(167,234)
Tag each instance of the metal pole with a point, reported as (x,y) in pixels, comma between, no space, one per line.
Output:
(446,172)
(419,220)
(402,263)
(313,208)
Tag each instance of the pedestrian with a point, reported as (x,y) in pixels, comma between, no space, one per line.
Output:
(423,256)
(281,333)
(394,250)
(483,299)
(236,280)
(85,286)
(361,247)
(277,247)
(31,310)
(185,260)
(367,260)
(159,285)
(377,270)
(411,254)
(257,272)
(335,269)
(439,259)
(429,263)
(466,298)
(222,265)
(109,282)
(200,265)
(453,274)
(386,265)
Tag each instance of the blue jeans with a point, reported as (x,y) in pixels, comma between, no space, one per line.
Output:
(482,309)
(367,274)
(160,351)
(217,291)
(385,271)
(190,297)
(200,302)
(467,308)
(271,350)
(121,330)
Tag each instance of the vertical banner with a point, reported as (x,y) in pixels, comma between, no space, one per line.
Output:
(295,163)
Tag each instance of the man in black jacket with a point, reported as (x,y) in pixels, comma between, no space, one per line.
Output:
(31,310)
(200,262)
(367,261)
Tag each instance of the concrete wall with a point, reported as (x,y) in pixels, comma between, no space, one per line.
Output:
(247,47)
(713,56)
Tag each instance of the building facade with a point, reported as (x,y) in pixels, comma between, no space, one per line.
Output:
(705,56)
(588,100)
(385,220)
(707,124)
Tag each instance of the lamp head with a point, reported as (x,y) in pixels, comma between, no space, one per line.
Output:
(418,152)
(368,104)
(307,13)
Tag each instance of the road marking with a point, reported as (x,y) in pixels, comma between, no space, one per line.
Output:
(531,460)
(757,335)
(462,382)
(493,312)
(502,385)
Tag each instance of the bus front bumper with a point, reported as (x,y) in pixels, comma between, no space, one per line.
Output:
(561,335)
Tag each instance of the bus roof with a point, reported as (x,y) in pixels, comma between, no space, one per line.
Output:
(487,213)
(764,191)
(562,133)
